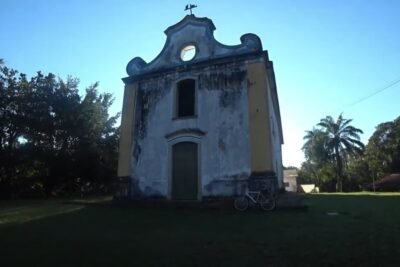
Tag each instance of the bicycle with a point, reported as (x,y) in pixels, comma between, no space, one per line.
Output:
(263,198)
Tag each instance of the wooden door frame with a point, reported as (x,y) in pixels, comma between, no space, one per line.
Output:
(171,143)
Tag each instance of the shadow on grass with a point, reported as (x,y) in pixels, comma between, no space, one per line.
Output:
(114,234)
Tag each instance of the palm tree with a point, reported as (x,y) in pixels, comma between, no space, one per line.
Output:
(314,147)
(315,152)
(342,139)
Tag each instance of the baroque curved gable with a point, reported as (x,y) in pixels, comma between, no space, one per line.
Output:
(198,32)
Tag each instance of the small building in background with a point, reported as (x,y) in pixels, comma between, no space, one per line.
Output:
(308,188)
(290,180)
(388,183)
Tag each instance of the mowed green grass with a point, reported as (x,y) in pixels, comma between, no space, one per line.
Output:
(366,232)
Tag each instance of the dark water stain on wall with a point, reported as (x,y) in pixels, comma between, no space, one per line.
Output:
(221,80)
(229,98)
(231,185)
(230,82)
(150,92)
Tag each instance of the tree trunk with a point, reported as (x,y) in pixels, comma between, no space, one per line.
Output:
(339,168)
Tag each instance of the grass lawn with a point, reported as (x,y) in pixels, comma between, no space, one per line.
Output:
(366,232)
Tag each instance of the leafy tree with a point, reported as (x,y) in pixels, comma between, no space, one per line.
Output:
(321,176)
(358,173)
(317,156)
(307,173)
(52,140)
(315,146)
(12,88)
(97,140)
(383,149)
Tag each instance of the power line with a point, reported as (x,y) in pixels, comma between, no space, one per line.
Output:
(374,93)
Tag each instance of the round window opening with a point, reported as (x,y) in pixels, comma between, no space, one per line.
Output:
(188,52)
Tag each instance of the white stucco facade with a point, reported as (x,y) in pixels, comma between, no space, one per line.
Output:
(235,126)
(220,129)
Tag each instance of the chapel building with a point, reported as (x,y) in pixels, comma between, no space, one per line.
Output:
(201,120)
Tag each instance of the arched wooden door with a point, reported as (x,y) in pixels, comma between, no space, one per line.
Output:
(184,171)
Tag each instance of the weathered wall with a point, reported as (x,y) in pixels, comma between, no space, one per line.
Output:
(234,123)
(260,129)
(276,147)
(127,129)
(197,32)
(265,132)
(222,114)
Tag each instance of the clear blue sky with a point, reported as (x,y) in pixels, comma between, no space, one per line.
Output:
(327,54)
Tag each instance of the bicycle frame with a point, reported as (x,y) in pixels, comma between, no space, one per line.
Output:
(262,198)
(254,196)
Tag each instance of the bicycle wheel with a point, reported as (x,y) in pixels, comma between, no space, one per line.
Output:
(241,203)
(267,203)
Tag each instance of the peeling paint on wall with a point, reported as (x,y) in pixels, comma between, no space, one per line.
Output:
(222,109)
